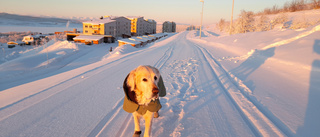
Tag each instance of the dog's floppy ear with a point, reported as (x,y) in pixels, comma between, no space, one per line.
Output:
(131,80)
(155,70)
(129,86)
(160,84)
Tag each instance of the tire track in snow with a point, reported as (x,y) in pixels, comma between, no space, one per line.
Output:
(109,118)
(258,122)
(183,78)
(159,64)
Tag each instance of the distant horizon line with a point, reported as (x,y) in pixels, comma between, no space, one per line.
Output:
(82,18)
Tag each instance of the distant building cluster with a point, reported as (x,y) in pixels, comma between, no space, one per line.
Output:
(120,26)
(108,28)
(168,26)
(192,27)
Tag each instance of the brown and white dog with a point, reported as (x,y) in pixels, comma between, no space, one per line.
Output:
(142,87)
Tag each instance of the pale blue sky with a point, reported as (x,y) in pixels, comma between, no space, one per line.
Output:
(180,11)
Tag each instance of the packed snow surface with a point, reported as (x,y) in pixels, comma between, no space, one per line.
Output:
(253,84)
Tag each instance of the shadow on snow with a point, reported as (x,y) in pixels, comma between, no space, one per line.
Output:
(311,120)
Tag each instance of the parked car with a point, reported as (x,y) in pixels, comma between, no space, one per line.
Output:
(13,44)
(34,39)
(30,40)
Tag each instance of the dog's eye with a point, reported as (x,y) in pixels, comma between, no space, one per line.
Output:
(155,78)
(145,80)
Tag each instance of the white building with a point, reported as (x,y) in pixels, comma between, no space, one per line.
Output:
(140,26)
(137,23)
(153,26)
(168,26)
(120,26)
(99,27)
(114,26)
(123,26)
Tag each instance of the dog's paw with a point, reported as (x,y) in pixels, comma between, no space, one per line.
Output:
(136,134)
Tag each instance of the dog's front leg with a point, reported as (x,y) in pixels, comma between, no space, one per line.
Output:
(136,117)
(148,122)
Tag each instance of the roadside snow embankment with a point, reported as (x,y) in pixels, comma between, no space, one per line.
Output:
(277,67)
(30,59)
(124,49)
(60,45)
(58,51)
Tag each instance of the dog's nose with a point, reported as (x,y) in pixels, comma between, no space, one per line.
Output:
(155,90)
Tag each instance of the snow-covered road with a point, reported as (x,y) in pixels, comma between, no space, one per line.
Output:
(202,98)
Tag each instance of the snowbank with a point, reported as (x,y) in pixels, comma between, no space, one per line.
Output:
(60,45)
(21,60)
(124,49)
(279,67)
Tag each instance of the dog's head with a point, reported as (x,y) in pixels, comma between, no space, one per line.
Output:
(141,84)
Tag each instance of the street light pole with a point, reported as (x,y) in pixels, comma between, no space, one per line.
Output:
(201,17)
(231,24)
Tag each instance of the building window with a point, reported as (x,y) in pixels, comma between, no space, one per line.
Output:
(86,31)
(86,26)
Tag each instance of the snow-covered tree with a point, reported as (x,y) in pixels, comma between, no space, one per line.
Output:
(245,22)
(299,24)
(282,19)
(263,23)
(315,4)
(221,24)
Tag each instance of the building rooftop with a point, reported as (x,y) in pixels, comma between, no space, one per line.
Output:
(158,35)
(100,21)
(145,37)
(137,39)
(129,41)
(150,20)
(133,17)
(89,37)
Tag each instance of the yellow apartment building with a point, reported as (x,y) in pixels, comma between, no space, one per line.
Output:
(136,25)
(99,27)
(109,25)
(120,26)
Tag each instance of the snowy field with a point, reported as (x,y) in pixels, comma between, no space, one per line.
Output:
(44,30)
(253,84)
(21,23)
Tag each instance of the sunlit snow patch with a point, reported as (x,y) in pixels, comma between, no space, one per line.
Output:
(60,45)
(124,49)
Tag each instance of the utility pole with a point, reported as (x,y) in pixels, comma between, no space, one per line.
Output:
(231,24)
(46,47)
(201,17)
